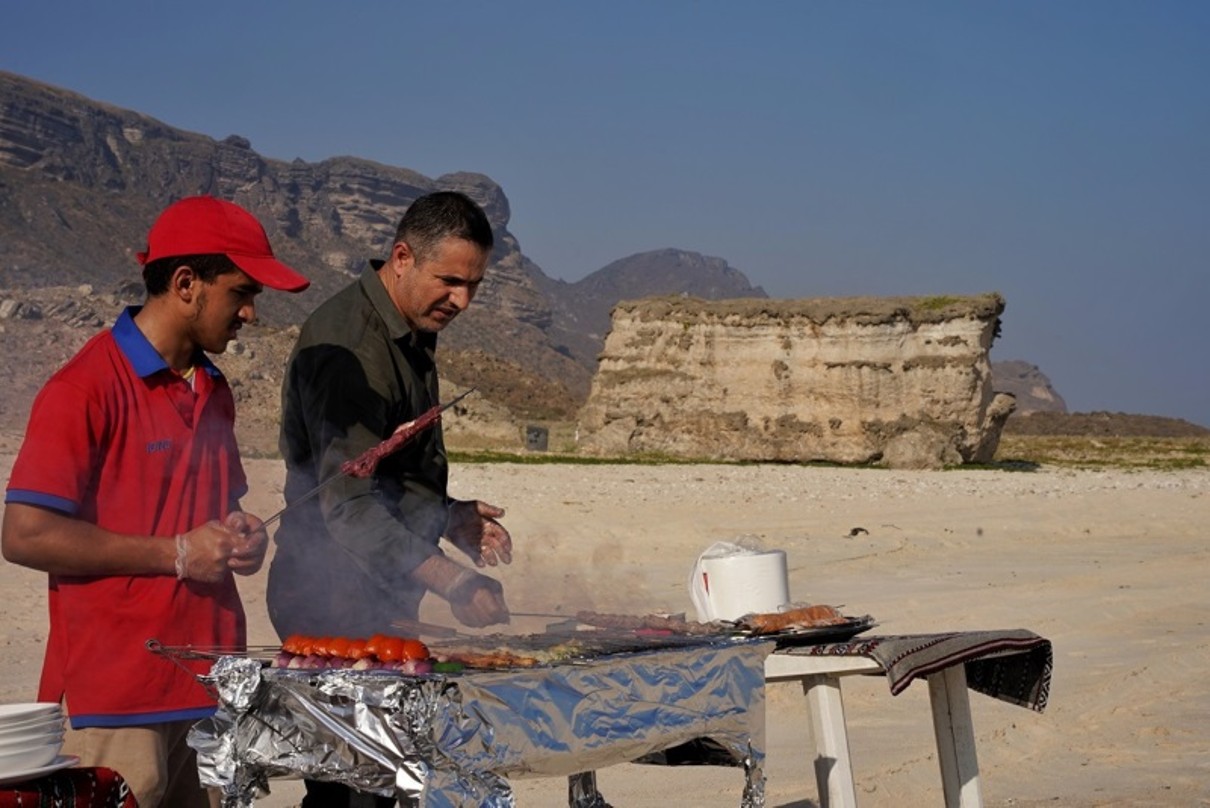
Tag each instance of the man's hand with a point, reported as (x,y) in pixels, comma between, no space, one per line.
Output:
(479,602)
(204,553)
(475,600)
(249,553)
(473,529)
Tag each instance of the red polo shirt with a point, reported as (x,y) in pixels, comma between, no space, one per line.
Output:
(117,439)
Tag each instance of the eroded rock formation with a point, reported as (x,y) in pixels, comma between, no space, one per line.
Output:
(905,382)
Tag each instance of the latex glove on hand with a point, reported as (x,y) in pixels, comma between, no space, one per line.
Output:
(249,553)
(204,553)
(473,529)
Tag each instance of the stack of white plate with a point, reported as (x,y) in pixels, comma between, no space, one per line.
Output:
(31,736)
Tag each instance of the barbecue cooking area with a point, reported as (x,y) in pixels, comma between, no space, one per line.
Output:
(452,720)
(449,721)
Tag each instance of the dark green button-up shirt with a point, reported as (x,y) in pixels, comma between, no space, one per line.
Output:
(343,558)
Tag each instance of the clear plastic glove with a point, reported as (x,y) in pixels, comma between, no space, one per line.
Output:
(204,553)
(249,553)
(473,529)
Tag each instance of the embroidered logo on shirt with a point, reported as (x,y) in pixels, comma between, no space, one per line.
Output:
(159,446)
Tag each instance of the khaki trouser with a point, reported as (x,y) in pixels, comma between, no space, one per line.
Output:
(153,759)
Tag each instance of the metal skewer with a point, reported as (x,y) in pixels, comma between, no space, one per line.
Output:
(429,629)
(324,484)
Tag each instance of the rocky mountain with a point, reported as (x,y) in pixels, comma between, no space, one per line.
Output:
(581,310)
(81,181)
(1030,386)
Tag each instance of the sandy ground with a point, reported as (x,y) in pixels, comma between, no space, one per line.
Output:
(1112,566)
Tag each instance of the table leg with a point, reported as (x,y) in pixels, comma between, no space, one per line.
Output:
(582,791)
(833,767)
(955,734)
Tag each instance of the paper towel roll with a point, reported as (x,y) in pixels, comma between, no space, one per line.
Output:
(742,584)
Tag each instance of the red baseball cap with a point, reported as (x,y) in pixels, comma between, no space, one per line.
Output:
(204,225)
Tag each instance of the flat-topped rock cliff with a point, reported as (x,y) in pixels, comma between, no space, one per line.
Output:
(904,382)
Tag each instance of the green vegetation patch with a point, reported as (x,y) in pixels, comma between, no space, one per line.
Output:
(548,458)
(1107,452)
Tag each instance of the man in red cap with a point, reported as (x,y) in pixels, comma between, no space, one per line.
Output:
(126,492)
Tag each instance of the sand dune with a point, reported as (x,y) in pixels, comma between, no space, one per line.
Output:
(1110,565)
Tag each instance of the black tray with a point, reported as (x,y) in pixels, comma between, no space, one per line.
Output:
(818,635)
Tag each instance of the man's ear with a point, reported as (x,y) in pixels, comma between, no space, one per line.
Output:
(402,256)
(184,283)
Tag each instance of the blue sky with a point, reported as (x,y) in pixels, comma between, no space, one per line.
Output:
(1056,152)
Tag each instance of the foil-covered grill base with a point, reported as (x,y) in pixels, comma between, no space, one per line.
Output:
(448,742)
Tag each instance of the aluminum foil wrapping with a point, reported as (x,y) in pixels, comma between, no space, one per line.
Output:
(453,741)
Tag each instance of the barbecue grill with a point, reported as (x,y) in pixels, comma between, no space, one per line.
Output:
(447,741)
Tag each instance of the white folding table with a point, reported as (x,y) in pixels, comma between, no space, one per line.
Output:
(820,677)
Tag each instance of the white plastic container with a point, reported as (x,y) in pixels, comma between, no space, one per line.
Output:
(730,580)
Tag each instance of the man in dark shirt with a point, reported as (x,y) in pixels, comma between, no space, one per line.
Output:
(365,550)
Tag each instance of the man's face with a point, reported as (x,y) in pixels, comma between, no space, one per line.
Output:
(221,308)
(431,292)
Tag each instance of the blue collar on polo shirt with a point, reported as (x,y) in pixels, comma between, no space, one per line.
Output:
(142,356)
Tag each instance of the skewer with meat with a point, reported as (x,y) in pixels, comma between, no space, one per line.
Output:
(649,622)
(364,464)
(490,660)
